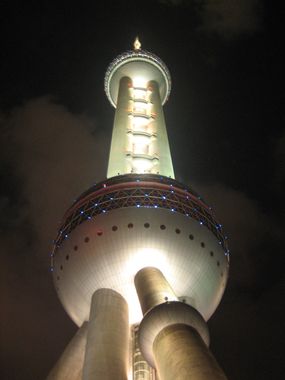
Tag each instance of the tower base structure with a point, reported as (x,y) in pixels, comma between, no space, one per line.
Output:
(173,338)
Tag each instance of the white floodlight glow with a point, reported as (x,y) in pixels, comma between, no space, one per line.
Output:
(139,82)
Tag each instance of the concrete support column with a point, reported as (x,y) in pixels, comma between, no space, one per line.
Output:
(165,162)
(173,336)
(117,158)
(106,356)
(152,288)
(181,354)
(69,366)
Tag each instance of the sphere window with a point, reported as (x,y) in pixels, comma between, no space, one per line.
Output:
(146,225)
(191,237)
(86,239)
(75,248)
(222,274)
(61,267)
(114,228)
(130,225)
(212,253)
(177,231)
(202,245)
(162,227)
(57,278)
(67,257)
(99,233)
(218,263)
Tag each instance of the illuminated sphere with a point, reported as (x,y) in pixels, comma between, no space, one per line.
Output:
(148,65)
(130,222)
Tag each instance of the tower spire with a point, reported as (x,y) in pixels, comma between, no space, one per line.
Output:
(137,44)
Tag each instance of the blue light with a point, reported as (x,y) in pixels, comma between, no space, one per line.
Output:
(138,205)
(89,217)
(146,195)
(66,236)
(163,197)
(155,206)
(173,209)
(172,191)
(96,204)
(81,212)
(104,211)
(201,222)
(51,269)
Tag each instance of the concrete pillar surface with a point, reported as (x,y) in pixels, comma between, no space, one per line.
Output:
(69,366)
(152,288)
(106,356)
(117,158)
(181,354)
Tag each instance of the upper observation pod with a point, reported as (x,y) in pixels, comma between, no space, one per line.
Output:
(141,67)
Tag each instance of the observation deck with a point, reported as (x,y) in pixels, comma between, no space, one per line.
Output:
(149,66)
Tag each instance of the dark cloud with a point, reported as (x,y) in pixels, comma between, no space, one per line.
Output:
(230,19)
(49,156)
(253,235)
(227,19)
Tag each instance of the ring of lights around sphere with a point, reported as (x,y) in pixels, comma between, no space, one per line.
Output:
(132,62)
(124,238)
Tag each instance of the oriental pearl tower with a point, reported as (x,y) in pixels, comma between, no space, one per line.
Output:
(140,262)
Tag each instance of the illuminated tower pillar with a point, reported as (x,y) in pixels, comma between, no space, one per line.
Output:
(140,261)
(139,141)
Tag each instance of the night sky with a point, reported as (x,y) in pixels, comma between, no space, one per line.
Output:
(225,120)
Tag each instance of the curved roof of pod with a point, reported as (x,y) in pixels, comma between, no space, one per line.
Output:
(123,65)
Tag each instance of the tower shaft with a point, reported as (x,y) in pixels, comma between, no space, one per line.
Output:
(139,141)
(181,354)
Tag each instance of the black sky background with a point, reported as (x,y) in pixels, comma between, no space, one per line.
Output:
(225,120)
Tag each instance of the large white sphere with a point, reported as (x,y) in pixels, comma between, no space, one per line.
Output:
(107,249)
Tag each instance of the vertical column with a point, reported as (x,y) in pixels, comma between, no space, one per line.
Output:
(106,356)
(165,161)
(69,365)
(173,336)
(181,354)
(152,288)
(117,158)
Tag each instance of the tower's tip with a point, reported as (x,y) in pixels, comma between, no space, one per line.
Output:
(137,44)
